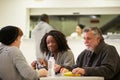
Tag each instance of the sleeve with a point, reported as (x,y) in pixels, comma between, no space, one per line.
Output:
(21,65)
(109,64)
(48,27)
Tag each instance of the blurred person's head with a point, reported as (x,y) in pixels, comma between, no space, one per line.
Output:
(45,18)
(11,35)
(79,29)
(54,41)
(92,37)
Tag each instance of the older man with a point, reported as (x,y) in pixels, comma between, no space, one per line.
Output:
(99,59)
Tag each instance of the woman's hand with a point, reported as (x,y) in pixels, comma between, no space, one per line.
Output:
(33,64)
(57,68)
(43,62)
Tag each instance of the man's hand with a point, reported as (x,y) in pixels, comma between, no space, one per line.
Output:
(78,71)
(63,70)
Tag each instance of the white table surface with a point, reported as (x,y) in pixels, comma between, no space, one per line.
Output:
(71,78)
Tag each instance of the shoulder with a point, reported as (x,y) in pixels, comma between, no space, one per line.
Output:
(48,26)
(9,49)
(14,51)
(40,25)
(73,34)
(104,48)
(108,47)
(109,51)
(68,53)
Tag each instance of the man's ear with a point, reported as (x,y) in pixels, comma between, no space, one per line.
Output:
(16,39)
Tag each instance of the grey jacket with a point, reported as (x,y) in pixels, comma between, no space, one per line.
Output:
(13,65)
(65,58)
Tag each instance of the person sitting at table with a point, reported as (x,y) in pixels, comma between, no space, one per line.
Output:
(13,65)
(54,44)
(99,59)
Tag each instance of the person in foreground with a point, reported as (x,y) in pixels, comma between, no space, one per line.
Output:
(13,65)
(99,59)
(54,44)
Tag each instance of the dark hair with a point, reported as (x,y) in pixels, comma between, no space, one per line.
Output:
(9,34)
(81,26)
(60,39)
(96,31)
(44,17)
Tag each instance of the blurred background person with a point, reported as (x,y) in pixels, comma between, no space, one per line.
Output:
(78,32)
(40,29)
(54,44)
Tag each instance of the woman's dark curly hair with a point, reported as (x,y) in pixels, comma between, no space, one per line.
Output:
(60,39)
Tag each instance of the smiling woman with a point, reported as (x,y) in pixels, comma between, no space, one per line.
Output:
(54,44)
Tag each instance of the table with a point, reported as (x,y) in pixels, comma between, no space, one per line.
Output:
(71,78)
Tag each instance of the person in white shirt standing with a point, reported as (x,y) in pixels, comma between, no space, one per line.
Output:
(40,29)
(78,32)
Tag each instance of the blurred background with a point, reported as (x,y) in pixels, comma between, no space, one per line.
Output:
(67,23)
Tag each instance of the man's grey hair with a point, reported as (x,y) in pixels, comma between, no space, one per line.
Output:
(96,31)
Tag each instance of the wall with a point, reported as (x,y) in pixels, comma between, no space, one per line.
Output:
(67,24)
(13,12)
(16,12)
